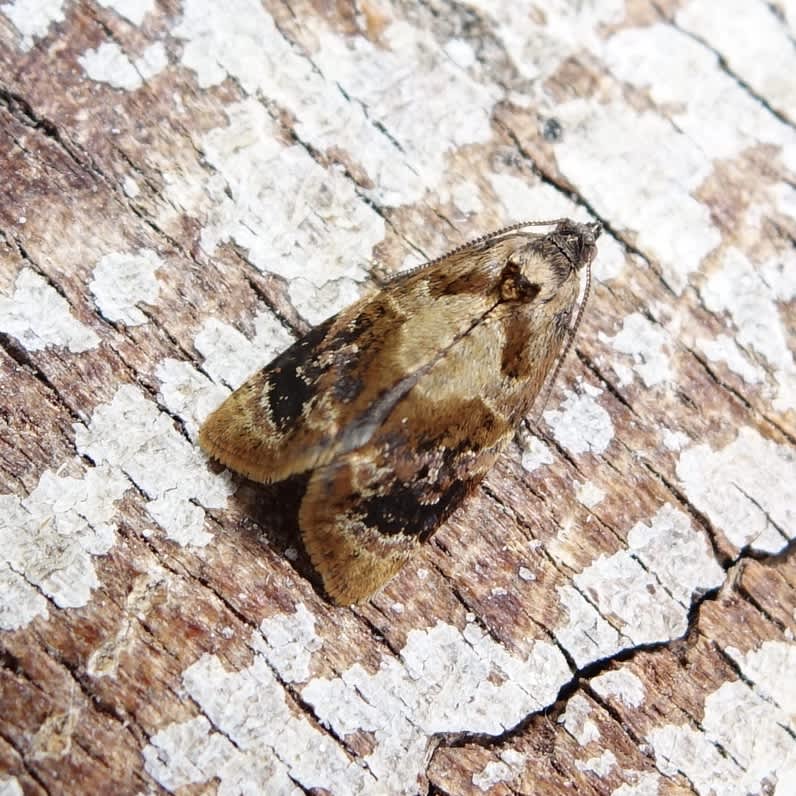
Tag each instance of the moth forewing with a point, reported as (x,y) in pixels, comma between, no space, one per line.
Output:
(305,406)
(401,403)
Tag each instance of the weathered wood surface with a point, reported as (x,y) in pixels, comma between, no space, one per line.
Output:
(185,186)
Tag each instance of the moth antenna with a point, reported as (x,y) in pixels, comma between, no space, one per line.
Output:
(570,341)
(496,234)
(464,246)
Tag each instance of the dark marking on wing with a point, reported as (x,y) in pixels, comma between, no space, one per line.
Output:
(401,510)
(290,379)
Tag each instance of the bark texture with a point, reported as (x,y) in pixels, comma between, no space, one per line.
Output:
(185,187)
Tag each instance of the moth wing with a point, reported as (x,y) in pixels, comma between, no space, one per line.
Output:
(365,512)
(360,525)
(328,392)
(402,403)
(261,429)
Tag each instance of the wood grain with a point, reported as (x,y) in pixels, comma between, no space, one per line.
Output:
(188,186)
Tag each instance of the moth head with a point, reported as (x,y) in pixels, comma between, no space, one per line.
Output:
(577,242)
(541,264)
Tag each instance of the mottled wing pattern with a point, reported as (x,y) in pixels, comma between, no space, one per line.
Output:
(326,393)
(400,404)
(365,512)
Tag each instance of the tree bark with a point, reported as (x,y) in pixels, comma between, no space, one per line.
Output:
(186,187)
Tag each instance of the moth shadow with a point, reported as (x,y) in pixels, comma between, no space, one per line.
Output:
(269,515)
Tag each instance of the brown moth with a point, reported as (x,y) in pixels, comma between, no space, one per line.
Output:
(400,404)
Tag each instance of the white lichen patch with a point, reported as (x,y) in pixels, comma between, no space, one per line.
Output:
(230,358)
(493,773)
(646,343)
(123,280)
(605,146)
(464,194)
(443,684)
(130,187)
(621,684)
(685,749)
(132,10)
(152,61)
(511,764)
(589,494)
(611,260)
(254,742)
(535,453)
(130,433)
(48,540)
(640,595)
(642,783)
(725,349)
(291,216)
(747,489)
(9,786)
(526,574)
(600,765)
(38,316)
(581,425)
(753,42)
(32,18)
(188,393)
(576,721)
(782,196)
(742,290)
(674,440)
(287,642)
(433,106)
(679,556)
(540,201)
(461,52)
(110,64)
(632,599)
(753,731)
(772,670)
(716,112)
(543,41)
(584,633)
(741,745)
(396,109)
(316,304)
(20,603)
(778,272)
(190,752)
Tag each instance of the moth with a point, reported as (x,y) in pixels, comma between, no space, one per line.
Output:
(399,405)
